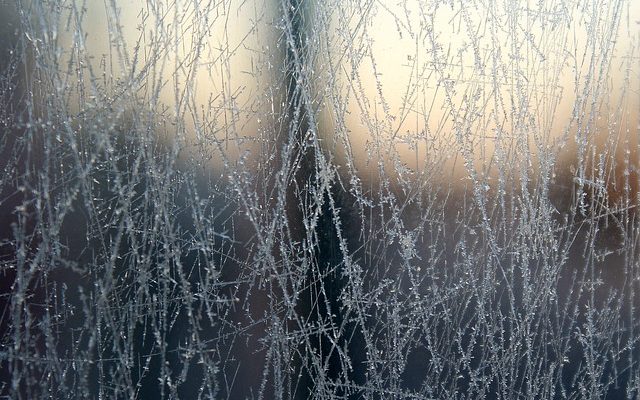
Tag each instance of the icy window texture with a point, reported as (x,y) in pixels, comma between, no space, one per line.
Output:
(305,199)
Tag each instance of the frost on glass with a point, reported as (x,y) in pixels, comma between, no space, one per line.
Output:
(319,199)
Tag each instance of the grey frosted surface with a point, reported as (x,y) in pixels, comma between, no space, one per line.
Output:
(344,199)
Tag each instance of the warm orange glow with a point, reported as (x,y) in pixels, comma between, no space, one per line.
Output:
(431,89)
(500,85)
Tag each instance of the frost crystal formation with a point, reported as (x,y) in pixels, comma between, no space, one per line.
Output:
(337,199)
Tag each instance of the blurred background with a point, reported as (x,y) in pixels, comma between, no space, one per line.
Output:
(295,199)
